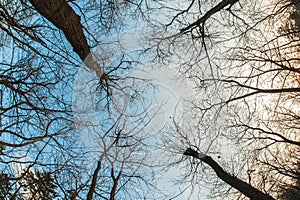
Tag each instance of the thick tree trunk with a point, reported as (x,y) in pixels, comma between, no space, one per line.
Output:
(63,17)
(60,13)
(242,186)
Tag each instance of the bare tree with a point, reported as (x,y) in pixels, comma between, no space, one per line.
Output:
(243,58)
(240,56)
(45,44)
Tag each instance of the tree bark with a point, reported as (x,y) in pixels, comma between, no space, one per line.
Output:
(63,17)
(60,13)
(242,186)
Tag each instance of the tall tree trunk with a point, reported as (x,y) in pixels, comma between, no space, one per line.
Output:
(242,186)
(94,181)
(60,13)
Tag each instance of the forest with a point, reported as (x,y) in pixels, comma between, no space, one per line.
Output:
(138,99)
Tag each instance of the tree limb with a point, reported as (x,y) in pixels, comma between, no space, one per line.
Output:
(61,14)
(242,186)
(208,14)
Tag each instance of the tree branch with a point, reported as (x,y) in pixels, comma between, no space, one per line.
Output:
(208,14)
(238,184)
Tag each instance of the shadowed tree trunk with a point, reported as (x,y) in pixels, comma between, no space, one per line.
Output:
(242,186)
(63,17)
(61,14)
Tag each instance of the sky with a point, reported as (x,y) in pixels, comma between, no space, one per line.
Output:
(165,100)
